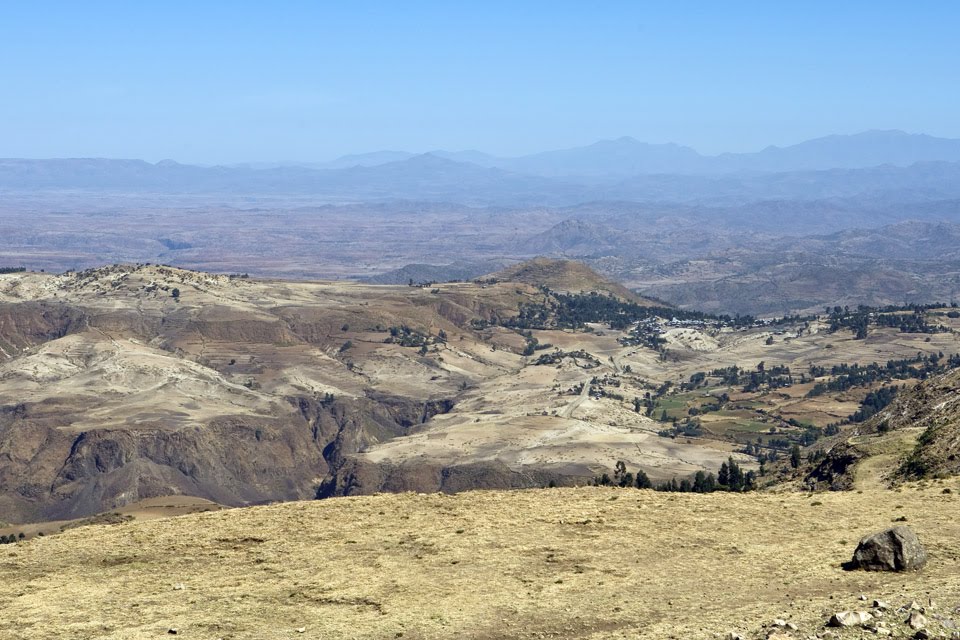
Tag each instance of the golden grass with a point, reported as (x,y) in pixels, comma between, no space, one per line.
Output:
(583,563)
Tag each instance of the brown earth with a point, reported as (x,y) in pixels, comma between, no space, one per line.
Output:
(564,563)
(917,436)
(564,276)
(243,391)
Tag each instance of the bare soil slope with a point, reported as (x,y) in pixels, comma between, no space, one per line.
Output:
(917,436)
(565,276)
(125,383)
(565,563)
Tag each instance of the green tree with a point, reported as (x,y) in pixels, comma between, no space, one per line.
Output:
(619,473)
(795,456)
(737,479)
(643,481)
(724,476)
(704,482)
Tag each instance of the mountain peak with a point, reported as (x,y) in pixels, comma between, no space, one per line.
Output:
(565,276)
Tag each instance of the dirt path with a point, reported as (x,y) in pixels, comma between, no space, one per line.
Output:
(575,404)
(885,456)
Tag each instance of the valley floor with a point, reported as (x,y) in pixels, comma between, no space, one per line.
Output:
(565,563)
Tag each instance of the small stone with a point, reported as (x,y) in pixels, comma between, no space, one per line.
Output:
(778,622)
(178,587)
(862,597)
(850,619)
(301,630)
(917,620)
(879,628)
(173,631)
(914,606)
(881,605)
(734,636)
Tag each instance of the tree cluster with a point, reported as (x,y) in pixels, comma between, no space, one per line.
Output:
(874,403)
(407,337)
(730,478)
(574,310)
(908,318)
(847,376)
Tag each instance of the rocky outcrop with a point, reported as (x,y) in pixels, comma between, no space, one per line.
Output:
(894,549)
(25,324)
(357,476)
(52,472)
(835,471)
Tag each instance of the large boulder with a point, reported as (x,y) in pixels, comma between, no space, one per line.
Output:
(895,549)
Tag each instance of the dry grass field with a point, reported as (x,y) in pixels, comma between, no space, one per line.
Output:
(562,563)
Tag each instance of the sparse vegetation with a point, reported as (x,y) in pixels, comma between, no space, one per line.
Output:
(730,478)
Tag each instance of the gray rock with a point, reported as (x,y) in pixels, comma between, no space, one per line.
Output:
(917,620)
(895,549)
(850,619)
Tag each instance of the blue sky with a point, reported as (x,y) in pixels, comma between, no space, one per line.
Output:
(219,82)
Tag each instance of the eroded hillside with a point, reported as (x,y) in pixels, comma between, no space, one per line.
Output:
(916,437)
(130,382)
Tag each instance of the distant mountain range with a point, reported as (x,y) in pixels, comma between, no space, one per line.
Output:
(890,165)
(628,157)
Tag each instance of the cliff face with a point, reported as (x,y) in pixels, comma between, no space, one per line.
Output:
(126,383)
(25,324)
(50,472)
(357,476)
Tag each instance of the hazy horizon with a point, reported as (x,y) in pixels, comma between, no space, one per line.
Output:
(415,152)
(227,84)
